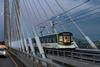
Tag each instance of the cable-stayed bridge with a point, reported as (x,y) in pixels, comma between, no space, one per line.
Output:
(30,26)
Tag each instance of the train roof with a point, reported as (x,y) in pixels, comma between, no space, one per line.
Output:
(68,33)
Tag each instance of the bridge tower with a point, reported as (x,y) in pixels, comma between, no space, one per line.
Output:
(6,22)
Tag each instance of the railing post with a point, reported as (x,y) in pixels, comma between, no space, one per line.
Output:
(72,54)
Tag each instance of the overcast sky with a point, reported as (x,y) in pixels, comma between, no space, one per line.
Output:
(1,20)
(91,24)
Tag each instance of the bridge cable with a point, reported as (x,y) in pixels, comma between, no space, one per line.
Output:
(64,12)
(38,43)
(74,22)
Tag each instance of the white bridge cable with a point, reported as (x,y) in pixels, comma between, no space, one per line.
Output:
(81,4)
(90,9)
(51,9)
(29,31)
(6,23)
(32,9)
(89,12)
(81,17)
(76,19)
(46,2)
(64,12)
(22,43)
(68,10)
(36,37)
(16,27)
(33,1)
(52,25)
(28,14)
(11,16)
(24,29)
(43,9)
(18,23)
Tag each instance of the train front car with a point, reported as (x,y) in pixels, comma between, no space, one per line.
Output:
(65,40)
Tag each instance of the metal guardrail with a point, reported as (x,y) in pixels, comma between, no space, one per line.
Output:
(30,60)
(95,51)
(87,57)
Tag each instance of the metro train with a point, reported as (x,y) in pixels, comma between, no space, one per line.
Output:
(61,40)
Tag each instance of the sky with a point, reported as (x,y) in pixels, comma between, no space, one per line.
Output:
(90,25)
(1,21)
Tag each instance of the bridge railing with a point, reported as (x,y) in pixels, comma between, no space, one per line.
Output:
(83,56)
(33,61)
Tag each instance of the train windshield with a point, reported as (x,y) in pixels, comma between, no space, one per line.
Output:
(64,38)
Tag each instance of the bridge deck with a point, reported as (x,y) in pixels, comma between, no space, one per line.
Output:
(70,61)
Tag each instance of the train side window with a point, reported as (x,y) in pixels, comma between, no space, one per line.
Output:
(44,40)
(41,40)
(50,40)
(47,40)
(53,40)
(60,38)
